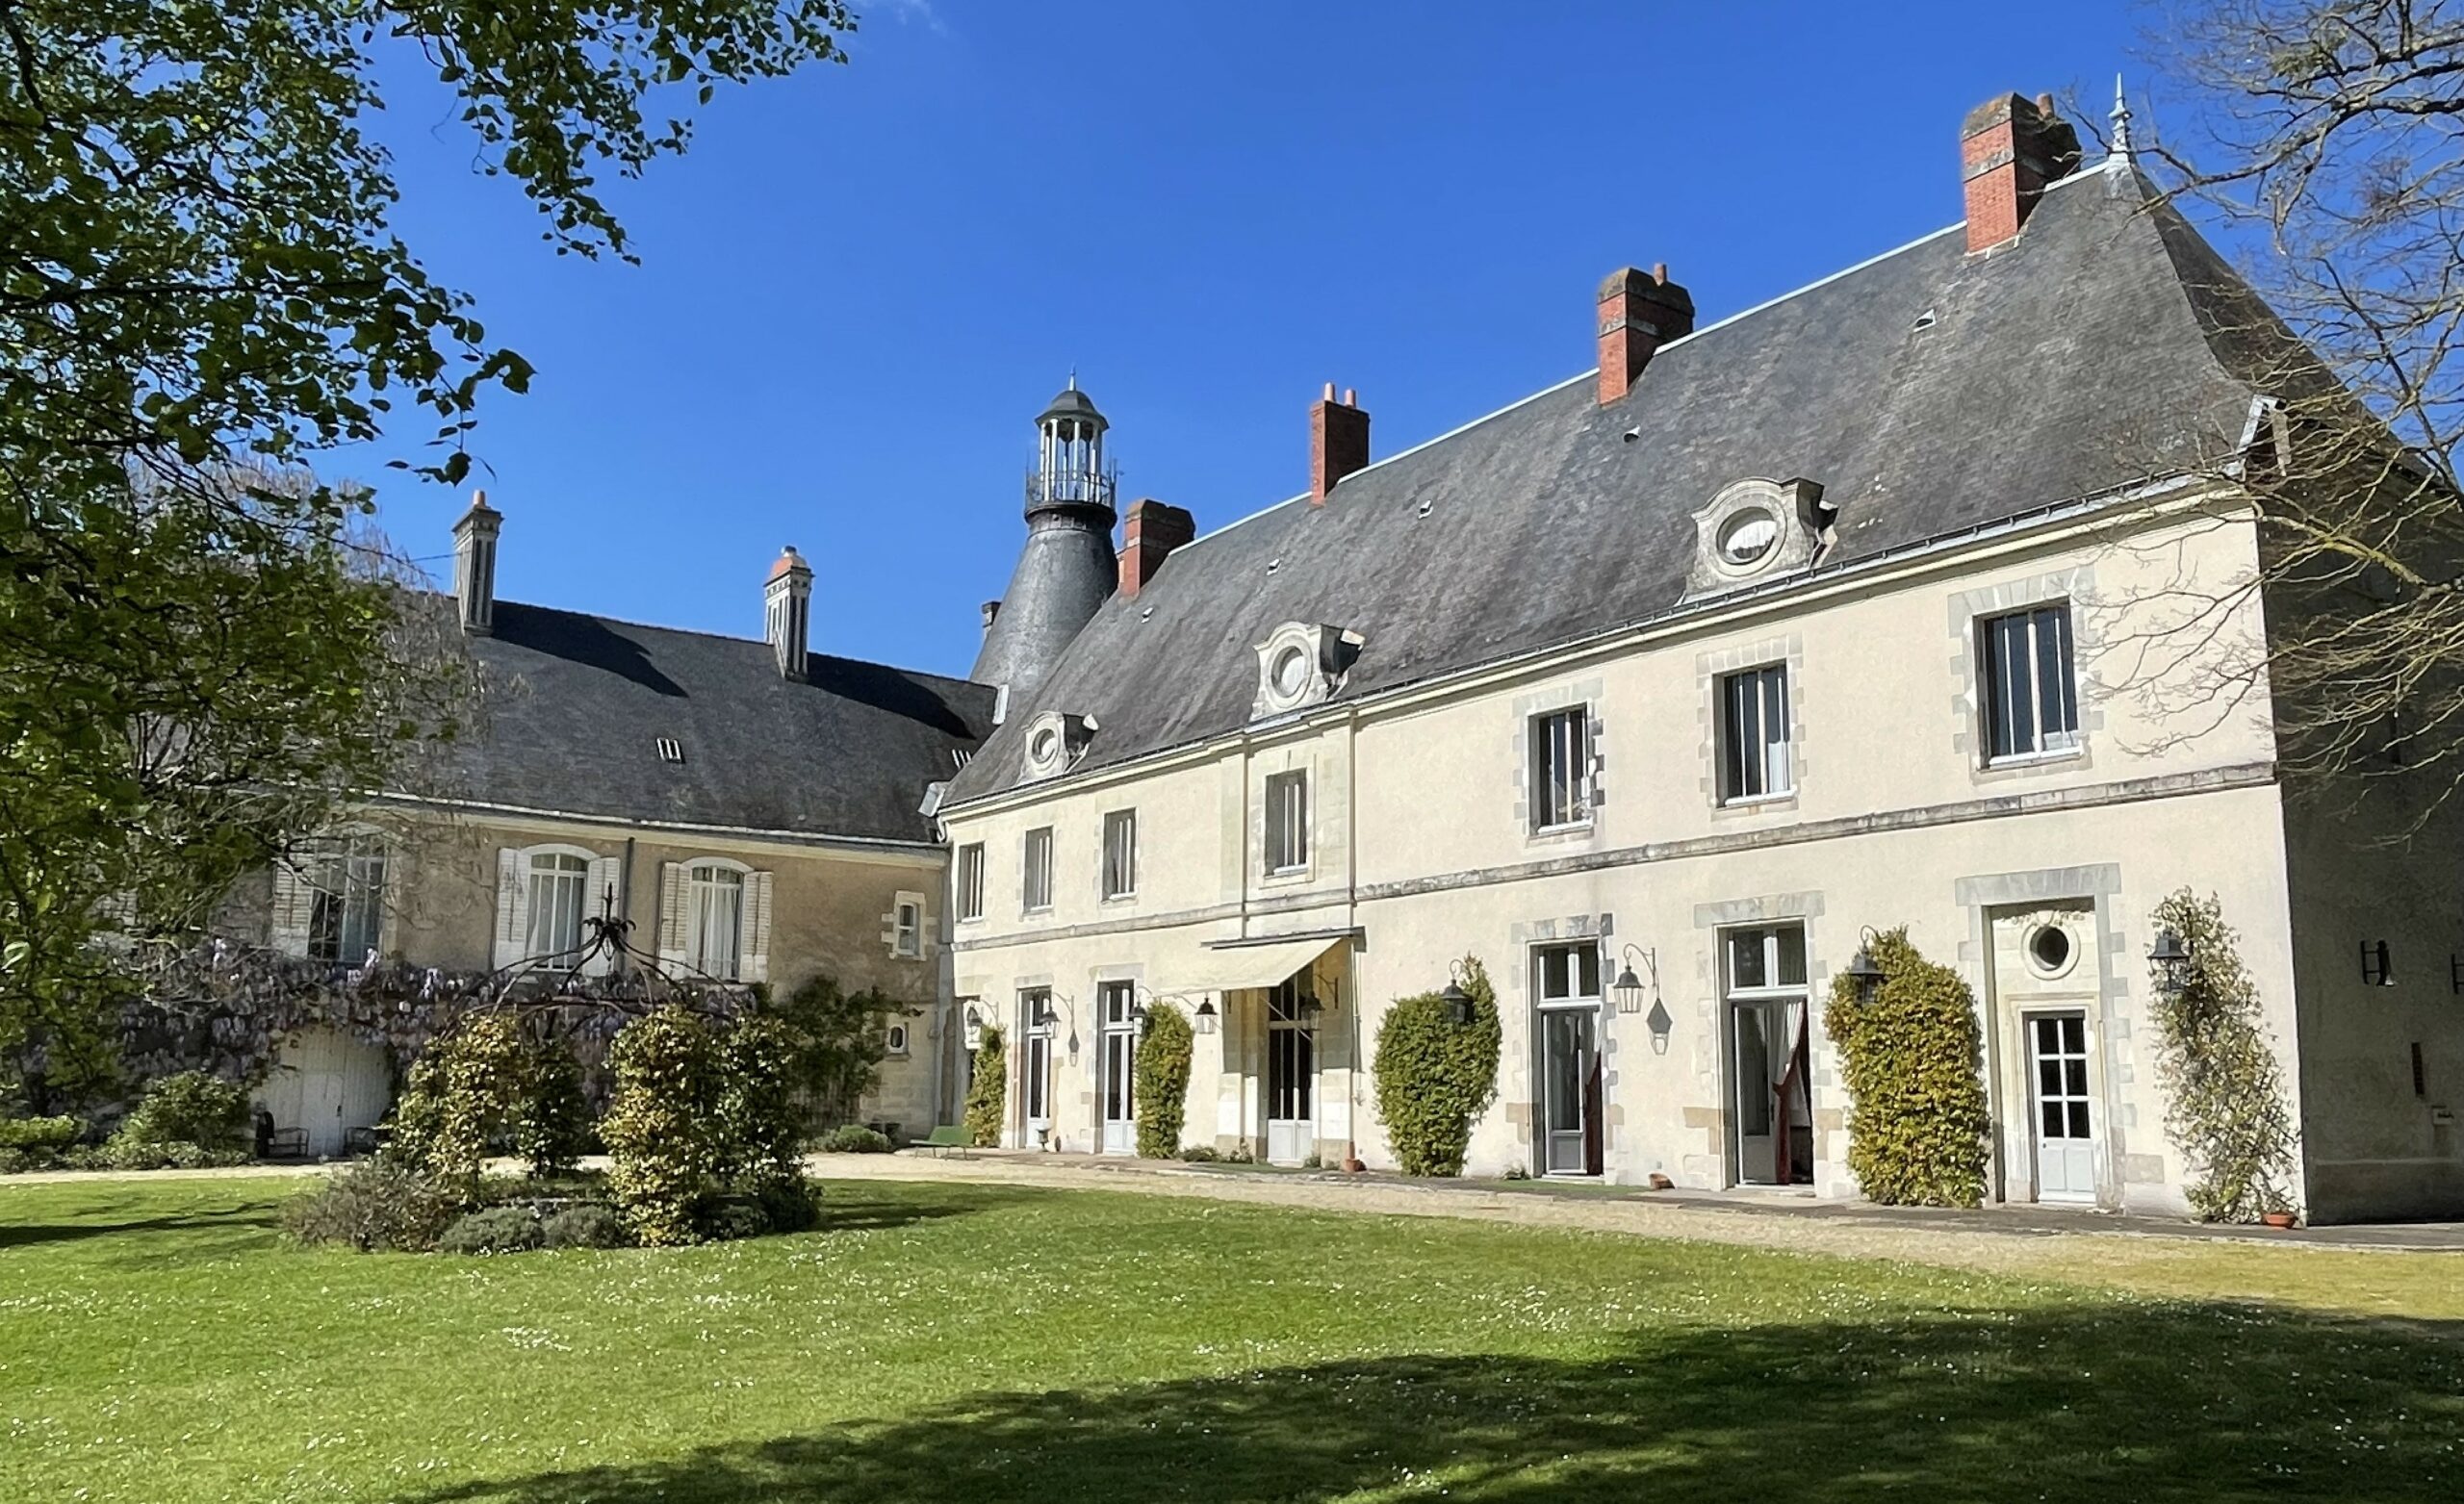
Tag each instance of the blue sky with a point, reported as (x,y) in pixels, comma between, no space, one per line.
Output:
(862,283)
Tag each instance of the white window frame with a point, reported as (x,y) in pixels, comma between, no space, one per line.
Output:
(1286,836)
(543,954)
(1755,704)
(968,882)
(1119,878)
(347,871)
(907,927)
(1998,696)
(1560,758)
(704,880)
(895,1039)
(1034,870)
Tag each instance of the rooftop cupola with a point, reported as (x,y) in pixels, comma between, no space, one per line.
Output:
(1068,567)
(475,565)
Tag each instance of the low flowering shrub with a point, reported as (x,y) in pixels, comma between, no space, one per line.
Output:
(593,1224)
(855,1138)
(376,1205)
(37,1143)
(493,1230)
(184,1122)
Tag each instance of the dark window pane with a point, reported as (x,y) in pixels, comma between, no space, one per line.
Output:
(2076,1078)
(2053,1120)
(2079,1120)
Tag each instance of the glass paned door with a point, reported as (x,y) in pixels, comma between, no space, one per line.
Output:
(1570,1089)
(1035,1067)
(1119,1064)
(1770,1098)
(2064,1117)
(1292,1078)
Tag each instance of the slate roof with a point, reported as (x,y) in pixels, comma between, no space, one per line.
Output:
(2090,353)
(576,704)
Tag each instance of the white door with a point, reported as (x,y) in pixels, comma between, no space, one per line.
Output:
(2066,1120)
(1292,1078)
(1119,1062)
(1037,1074)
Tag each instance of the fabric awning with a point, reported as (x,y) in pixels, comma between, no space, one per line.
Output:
(1245,967)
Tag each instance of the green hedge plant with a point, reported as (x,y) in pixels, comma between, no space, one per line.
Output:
(856,1139)
(185,1121)
(988,1099)
(659,1127)
(2227,1111)
(1161,1075)
(1911,1059)
(1435,1077)
(376,1205)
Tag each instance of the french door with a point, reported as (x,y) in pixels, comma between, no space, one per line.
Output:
(2065,1120)
(1292,1078)
(1035,1069)
(1770,1102)
(1118,1062)
(1568,1026)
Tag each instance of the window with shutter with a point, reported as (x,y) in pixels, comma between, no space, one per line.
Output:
(756,927)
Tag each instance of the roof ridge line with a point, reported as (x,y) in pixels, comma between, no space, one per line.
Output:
(1586,376)
(724,637)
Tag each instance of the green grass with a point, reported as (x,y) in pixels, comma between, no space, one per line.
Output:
(945,1343)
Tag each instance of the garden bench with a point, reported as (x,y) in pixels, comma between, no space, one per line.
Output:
(941,1140)
(287,1143)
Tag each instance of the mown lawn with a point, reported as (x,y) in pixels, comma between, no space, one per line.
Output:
(946,1344)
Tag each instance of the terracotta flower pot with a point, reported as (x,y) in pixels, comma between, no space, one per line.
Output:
(2278,1219)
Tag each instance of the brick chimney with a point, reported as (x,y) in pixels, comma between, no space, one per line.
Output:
(2008,150)
(1638,314)
(475,565)
(786,611)
(1153,532)
(1338,441)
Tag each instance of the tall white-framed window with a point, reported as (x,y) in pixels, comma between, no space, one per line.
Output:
(1287,834)
(1035,880)
(970,881)
(346,903)
(1120,853)
(907,928)
(559,887)
(714,934)
(1566,1029)
(1769,1086)
(2028,683)
(1753,735)
(1561,768)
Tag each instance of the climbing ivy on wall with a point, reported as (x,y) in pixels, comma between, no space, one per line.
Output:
(1435,1077)
(1162,1082)
(1913,1059)
(988,1099)
(2227,1113)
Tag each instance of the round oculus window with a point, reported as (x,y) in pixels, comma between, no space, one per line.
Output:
(1747,537)
(1291,672)
(2049,950)
(1046,742)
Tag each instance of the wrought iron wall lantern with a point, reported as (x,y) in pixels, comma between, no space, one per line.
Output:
(1628,989)
(1459,1006)
(2376,968)
(1205,1018)
(2172,960)
(1864,974)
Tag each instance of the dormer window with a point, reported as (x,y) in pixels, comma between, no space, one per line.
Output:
(1757,528)
(1056,741)
(1300,664)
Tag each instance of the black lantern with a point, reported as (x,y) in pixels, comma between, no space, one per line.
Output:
(1864,973)
(1309,1007)
(1206,1018)
(1627,989)
(2172,960)
(1458,1003)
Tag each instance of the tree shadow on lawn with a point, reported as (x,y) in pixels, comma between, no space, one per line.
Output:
(247,1223)
(2122,1401)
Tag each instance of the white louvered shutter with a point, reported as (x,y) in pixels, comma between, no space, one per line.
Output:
(294,900)
(394,903)
(605,895)
(674,922)
(756,927)
(513,905)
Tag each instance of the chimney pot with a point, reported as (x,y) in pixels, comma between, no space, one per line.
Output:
(2010,148)
(1638,314)
(1152,531)
(1338,442)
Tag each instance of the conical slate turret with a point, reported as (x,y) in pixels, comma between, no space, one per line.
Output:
(1067,568)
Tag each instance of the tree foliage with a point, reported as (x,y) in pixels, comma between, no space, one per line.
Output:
(1162,1082)
(465,1093)
(987,1095)
(1435,1077)
(836,1040)
(2324,142)
(1913,1061)
(202,291)
(663,1154)
(2225,1101)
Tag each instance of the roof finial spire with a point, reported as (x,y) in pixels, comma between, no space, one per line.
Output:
(2119,153)
(1073,378)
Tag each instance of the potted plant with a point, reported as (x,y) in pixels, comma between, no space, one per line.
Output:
(2274,1209)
